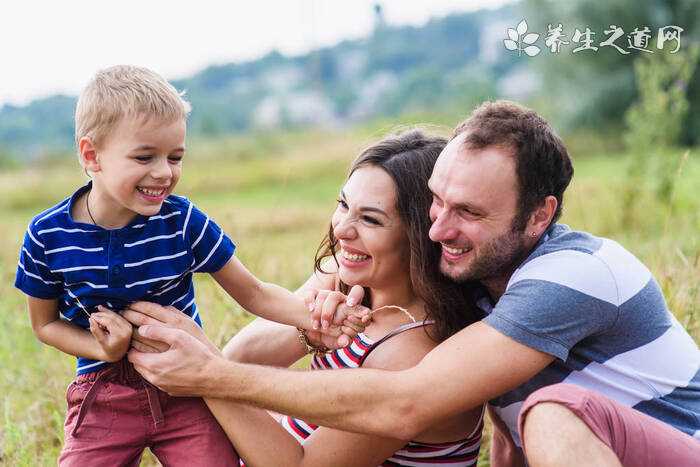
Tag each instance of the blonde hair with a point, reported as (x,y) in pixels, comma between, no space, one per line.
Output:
(125,91)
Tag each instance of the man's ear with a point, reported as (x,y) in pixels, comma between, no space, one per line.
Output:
(542,216)
(88,155)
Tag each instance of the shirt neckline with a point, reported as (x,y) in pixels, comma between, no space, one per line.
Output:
(139,219)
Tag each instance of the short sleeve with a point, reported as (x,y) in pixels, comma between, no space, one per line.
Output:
(33,274)
(552,310)
(210,246)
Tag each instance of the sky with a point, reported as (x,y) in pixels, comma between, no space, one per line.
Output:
(49,47)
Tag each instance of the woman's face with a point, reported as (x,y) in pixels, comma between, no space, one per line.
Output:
(372,242)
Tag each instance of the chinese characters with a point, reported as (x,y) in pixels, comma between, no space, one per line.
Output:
(584,40)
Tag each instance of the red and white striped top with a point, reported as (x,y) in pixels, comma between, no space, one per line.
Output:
(462,453)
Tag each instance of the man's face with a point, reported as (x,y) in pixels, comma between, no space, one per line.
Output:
(475,194)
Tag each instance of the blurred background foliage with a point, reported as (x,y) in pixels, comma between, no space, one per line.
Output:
(444,67)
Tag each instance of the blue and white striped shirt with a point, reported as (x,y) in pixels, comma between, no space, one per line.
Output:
(152,258)
(595,307)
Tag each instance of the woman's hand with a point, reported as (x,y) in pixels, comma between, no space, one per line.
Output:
(330,309)
(143,313)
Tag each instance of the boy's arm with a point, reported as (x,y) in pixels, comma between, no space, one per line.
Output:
(263,299)
(265,342)
(107,340)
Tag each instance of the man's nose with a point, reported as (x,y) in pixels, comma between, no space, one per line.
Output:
(442,228)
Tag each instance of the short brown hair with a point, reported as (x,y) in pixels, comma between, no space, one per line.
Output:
(542,163)
(125,90)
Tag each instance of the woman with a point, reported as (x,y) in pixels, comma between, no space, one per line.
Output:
(378,239)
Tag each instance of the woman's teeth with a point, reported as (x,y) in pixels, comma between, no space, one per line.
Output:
(151,192)
(455,251)
(353,257)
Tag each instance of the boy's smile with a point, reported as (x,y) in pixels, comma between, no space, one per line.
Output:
(134,170)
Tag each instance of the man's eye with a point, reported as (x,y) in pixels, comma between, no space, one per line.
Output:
(175,159)
(143,158)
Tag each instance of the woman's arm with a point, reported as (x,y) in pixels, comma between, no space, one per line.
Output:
(261,441)
(265,342)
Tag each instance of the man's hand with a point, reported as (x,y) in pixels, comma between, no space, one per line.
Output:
(337,318)
(184,369)
(112,332)
(142,313)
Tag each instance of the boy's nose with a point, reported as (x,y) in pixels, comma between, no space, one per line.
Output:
(161,169)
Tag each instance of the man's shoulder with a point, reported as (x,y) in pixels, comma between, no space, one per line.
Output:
(581,262)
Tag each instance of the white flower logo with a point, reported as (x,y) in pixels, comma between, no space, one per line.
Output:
(514,42)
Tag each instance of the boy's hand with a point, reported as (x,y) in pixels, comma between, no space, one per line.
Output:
(337,315)
(113,334)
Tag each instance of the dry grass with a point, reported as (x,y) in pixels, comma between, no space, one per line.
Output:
(274,198)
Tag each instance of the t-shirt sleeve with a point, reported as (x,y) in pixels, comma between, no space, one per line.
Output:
(551,309)
(210,246)
(33,274)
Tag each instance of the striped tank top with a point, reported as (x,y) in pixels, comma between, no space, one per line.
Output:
(462,453)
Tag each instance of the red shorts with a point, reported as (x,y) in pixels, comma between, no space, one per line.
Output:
(114,414)
(637,439)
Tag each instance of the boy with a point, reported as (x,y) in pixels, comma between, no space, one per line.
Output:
(121,238)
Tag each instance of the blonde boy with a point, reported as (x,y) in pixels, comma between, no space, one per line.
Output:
(121,238)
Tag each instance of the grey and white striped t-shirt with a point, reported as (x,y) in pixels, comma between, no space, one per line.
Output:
(596,308)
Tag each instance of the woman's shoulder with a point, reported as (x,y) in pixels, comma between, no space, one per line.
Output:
(402,350)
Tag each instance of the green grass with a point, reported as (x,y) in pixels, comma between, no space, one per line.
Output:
(274,196)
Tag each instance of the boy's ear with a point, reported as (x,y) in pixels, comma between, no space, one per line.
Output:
(88,155)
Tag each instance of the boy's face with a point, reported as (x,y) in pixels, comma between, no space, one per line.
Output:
(139,165)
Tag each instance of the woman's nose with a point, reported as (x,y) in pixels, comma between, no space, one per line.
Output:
(344,228)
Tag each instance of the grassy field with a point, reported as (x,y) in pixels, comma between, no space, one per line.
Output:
(274,195)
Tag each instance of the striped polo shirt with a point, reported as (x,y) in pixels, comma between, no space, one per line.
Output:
(598,310)
(152,258)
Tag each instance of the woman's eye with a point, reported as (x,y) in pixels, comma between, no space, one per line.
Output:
(143,158)
(175,159)
(342,204)
(370,220)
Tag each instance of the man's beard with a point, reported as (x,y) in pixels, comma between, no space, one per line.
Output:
(497,258)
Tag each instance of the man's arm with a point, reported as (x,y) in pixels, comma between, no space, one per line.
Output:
(465,371)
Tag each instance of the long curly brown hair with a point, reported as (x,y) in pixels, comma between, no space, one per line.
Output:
(408,158)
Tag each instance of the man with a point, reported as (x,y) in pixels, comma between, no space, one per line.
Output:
(561,307)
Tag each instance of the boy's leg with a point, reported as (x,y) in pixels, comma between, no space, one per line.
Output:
(633,437)
(104,422)
(190,435)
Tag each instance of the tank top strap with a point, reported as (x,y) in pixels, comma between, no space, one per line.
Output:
(397,331)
